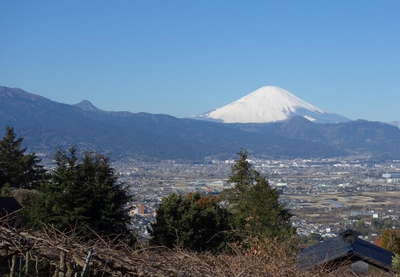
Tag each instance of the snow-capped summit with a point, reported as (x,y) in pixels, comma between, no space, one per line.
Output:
(269,104)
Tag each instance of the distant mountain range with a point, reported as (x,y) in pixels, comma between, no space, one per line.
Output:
(48,125)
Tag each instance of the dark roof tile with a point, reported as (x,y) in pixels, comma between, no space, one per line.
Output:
(345,245)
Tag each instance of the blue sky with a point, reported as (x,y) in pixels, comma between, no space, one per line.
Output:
(187,57)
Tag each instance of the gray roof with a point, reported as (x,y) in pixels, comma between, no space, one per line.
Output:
(345,247)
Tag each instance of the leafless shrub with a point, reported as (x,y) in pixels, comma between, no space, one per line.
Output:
(53,253)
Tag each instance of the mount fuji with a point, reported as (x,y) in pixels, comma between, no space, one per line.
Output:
(270,104)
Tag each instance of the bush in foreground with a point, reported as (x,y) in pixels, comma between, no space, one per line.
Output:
(191,221)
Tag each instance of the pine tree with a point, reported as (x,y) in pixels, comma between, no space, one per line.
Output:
(17,169)
(254,203)
(243,175)
(82,195)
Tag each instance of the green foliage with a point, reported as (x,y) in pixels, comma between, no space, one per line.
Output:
(311,239)
(5,190)
(361,227)
(202,223)
(191,221)
(396,264)
(254,203)
(243,176)
(17,169)
(80,195)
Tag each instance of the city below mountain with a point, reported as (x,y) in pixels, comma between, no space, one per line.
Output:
(270,104)
(291,131)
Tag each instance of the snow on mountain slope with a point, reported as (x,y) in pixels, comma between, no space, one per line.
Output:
(269,104)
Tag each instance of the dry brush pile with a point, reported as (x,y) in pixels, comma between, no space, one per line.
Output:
(52,253)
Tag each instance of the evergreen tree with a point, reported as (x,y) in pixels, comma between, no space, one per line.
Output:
(192,221)
(81,195)
(17,169)
(254,203)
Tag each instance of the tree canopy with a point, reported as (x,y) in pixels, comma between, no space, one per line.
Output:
(82,194)
(192,221)
(250,208)
(17,168)
(254,203)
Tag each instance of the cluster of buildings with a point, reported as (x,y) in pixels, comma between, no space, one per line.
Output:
(325,195)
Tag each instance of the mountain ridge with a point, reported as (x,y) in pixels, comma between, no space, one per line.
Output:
(395,123)
(86,105)
(48,125)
